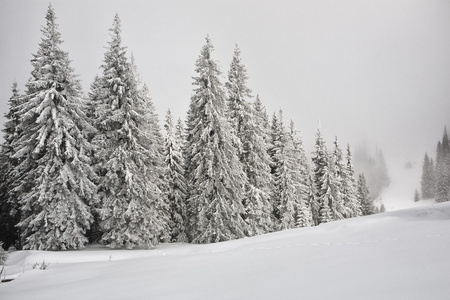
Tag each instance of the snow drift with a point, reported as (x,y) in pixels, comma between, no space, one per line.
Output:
(396,255)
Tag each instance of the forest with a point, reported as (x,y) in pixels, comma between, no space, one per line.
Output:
(81,169)
(435,180)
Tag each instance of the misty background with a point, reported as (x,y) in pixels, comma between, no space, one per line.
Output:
(373,72)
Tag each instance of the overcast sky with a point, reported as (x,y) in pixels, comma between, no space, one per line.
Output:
(368,70)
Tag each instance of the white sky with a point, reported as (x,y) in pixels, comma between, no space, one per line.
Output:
(372,70)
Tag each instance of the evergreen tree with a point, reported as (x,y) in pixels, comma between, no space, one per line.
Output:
(428,183)
(374,168)
(215,175)
(9,208)
(252,149)
(129,159)
(349,194)
(340,176)
(284,176)
(327,193)
(382,173)
(443,169)
(56,188)
(300,170)
(264,132)
(416,196)
(363,195)
(174,177)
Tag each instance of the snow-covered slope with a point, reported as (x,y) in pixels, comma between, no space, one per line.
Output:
(404,181)
(396,255)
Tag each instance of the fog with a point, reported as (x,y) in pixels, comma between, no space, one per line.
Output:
(373,71)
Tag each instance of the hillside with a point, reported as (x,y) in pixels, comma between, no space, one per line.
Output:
(396,255)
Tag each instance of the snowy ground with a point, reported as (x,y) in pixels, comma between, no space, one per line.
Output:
(401,254)
(404,182)
(395,255)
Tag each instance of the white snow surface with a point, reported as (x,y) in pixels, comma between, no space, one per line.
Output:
(404,182)
(401,254)
(395,255)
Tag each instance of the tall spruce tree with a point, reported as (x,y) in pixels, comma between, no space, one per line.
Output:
(9,207)
(251,148)
(349,188)
(215,175)
(363,195)
(327,193)
(339,172)
(56,188)
(285,190)
(443,169)
(174,177)
(263,124)
(300,170)
(129,159)
(428,179)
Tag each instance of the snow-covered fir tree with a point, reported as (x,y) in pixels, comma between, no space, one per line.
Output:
(251,149)
(285,172)
(443,169)
(374,168)
(300,170)
(129,160)
(213,170)
(52,148)
(428,179)
(327,193)
(9,207)
(349,188)
(263,121)
(156,150)
(339,172)
(174,177)
(363,195)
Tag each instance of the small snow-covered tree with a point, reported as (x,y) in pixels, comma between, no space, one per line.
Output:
(52,148)
(175,180)
(251,149)
(129,160)
(416,196)
(363,195)
(215,176)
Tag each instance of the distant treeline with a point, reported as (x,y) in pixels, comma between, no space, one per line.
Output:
(435,181)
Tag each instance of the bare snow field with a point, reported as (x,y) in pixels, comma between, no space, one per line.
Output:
(396,255)
(404,181)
